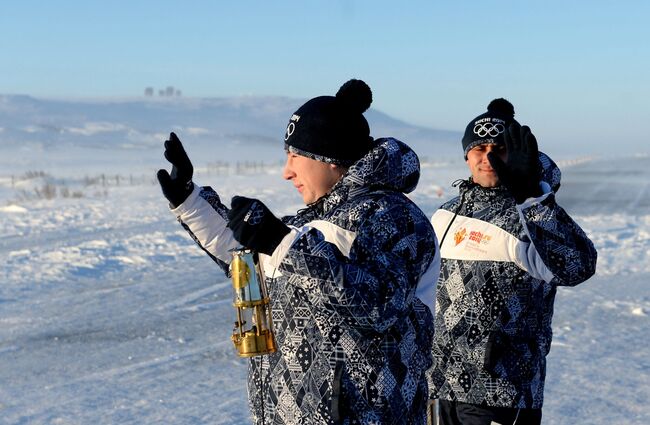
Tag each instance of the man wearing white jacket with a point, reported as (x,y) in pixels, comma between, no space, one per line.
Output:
(354,340)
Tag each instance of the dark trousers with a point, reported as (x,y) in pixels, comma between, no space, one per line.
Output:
(456,413)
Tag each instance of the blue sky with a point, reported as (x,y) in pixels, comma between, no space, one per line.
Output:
(576,71)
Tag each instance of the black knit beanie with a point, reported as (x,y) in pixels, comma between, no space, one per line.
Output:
(490,126)
(332,129)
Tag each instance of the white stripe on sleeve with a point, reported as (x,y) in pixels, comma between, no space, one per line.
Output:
(207,225)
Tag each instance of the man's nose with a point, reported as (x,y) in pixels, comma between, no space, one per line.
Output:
(287,173)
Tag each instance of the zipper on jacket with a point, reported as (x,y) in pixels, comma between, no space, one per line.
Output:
(463,185)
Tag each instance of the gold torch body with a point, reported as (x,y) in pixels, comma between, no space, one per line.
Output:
(253,331)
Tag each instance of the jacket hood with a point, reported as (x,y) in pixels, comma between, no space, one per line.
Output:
(389,165)
(551,173)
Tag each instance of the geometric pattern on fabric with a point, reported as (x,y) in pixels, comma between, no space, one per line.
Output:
(212,198)
(493,319)
(354,343)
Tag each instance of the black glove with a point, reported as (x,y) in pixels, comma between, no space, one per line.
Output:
(178,186)
(254,226)
(521,171)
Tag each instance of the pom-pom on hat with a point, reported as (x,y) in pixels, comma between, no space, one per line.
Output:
(490,126)
(332,129)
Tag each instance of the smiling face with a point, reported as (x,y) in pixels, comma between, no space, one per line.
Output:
(312,178)
(477,160)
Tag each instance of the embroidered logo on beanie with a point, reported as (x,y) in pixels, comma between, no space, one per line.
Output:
(489,127)
(292,126)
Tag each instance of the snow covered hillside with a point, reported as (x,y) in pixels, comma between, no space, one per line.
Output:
(121,134)
(109,314)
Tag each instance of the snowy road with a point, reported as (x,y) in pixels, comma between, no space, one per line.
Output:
(607,186)
(113,316)
(110,315)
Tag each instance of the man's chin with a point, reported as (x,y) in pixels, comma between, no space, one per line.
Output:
(307,200)
(489,183)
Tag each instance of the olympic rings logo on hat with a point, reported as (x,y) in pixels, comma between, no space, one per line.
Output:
(489,129)
(290,129)
(292,126)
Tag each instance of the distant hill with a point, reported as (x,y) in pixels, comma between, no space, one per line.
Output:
(234,128)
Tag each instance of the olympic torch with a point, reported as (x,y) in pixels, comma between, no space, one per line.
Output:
(253,331)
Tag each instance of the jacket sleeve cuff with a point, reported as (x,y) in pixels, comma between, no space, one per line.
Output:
(188,203)
(546,191)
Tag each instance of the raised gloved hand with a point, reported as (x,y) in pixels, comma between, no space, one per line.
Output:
(521,171)
(177,186)
(254,226)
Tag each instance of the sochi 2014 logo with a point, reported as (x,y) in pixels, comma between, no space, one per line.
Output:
(492,129)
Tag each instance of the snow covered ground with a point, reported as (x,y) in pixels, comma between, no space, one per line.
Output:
(110,314)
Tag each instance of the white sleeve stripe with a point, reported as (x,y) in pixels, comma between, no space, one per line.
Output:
(336,235)
(471,239)
(342,238)
(207,226)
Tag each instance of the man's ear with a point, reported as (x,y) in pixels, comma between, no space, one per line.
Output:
(339,168)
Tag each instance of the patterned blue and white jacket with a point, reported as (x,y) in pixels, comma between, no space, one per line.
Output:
(501,266)
(354,340)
